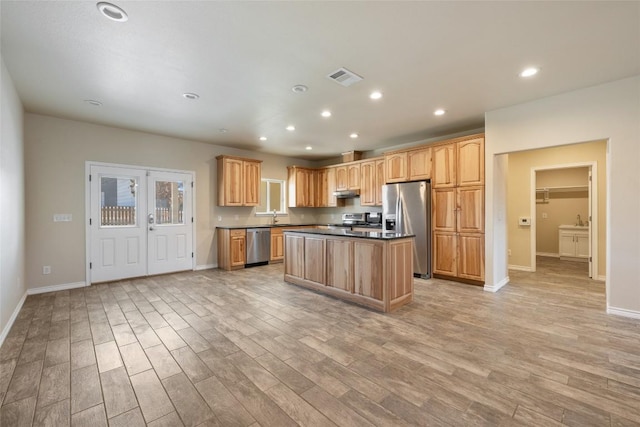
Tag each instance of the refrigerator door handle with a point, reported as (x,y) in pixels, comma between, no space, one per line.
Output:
(399,216)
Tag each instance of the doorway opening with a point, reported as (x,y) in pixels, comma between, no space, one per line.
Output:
(139,222)
(564,225)
(546,190)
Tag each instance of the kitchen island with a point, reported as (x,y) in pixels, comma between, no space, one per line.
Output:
(374,269)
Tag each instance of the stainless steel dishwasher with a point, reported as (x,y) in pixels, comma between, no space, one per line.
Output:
(258,246)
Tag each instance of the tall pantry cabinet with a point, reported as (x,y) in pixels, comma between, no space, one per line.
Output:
(458,208)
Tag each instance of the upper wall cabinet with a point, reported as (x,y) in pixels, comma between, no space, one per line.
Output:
(470,156)
(302,187)
(238,181)
(459,164)
(408,165)
(396,167)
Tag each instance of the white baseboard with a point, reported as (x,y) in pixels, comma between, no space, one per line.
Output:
(55,288)
(497,286)
(549,254)
(623,312)
(520,267)
(205,267)
(12,319)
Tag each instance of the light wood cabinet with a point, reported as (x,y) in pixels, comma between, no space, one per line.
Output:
(368,275)
(458,209)
(445,254)
(373,272)
(302,187)
(231,248)
(238,181)
(471,256)
(368,183)
(470,162)
(342,178)
(396,167)
(353,176)
(332,200)
(419,164)
(314,260)
(444,166)
(277,245)
(371,182)
(340,264)
(380,180)
(470,209)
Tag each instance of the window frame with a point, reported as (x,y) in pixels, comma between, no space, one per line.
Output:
(283,198)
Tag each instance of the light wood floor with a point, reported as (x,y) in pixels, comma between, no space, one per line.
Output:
(243,348)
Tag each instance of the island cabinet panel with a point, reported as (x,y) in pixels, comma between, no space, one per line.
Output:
(396,167)
(369,274)
(340,264)
(294,255)
(363,270)
(314,260)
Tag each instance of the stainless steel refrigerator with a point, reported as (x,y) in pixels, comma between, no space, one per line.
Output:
(406,208)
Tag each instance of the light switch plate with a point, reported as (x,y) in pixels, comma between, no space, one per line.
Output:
(62,217)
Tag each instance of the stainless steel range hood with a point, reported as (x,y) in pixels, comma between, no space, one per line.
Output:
(346,194)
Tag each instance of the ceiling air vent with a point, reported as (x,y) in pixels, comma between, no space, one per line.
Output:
(344,77)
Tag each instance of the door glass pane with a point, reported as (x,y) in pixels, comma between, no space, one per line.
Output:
(169,201)
(118,201)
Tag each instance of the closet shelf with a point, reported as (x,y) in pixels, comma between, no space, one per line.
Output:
(563,189)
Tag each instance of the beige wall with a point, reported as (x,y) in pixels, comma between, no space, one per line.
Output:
(563,207)
(12,219)
(55,154)
(604,112)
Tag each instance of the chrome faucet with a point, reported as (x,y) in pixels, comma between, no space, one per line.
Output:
(580,223)
(275,217)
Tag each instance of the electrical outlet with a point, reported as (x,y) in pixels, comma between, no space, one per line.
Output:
(544,215)
(219,218)
(236,217)
(509,252)
(46,269)
(302,216)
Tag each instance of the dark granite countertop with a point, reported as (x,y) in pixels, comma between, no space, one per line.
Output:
(239,227)
(358,234)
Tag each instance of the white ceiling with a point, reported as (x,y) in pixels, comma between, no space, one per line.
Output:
(242,58)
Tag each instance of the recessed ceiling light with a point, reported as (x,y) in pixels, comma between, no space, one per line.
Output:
(223,130)
(93,102)
(263,138)
(439,112)
(326,113)
(353,135)
(190,95)
(112,12)
(308,148)
(529,72)
(299,88)
(291,128)
(375,95)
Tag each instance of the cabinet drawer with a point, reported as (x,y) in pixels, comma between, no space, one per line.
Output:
(237,233)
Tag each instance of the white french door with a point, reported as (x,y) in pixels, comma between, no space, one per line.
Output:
(140,222)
